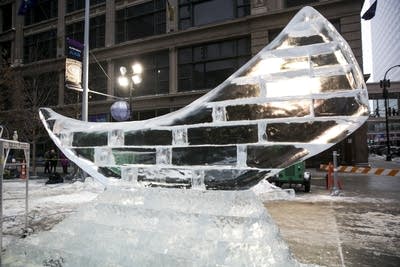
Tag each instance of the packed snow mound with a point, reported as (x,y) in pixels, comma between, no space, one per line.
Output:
(266,191)
(159,227)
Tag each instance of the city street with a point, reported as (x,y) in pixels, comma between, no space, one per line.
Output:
(361,228)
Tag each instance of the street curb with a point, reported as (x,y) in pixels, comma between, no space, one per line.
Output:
(364,170)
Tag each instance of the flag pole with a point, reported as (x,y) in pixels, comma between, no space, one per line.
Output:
(85,93)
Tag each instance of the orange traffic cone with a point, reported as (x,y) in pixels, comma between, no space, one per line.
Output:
(329,183)
(23,170)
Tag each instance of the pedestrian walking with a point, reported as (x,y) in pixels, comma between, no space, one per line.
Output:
(64,163)
(47,162)
(53,161)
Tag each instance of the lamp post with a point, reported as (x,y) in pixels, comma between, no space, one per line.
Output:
(135,78)
(85,91)
(385,83)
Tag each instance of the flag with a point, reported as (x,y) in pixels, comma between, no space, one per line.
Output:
(370,13)
(25,6)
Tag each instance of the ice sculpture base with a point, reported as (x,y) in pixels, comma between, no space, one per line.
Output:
(269,192)
(160,227)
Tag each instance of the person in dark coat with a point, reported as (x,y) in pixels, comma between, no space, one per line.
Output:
(64,163)
(53,161)
(47,162)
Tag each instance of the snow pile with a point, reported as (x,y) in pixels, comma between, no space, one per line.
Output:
(266,191)
(160,227)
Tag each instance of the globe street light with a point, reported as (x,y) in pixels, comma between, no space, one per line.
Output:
(131,79)
(385,83)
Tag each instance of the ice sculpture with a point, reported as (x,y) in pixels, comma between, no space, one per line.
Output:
(160,227)
(300,95)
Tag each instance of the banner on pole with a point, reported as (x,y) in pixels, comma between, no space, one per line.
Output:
(73,64)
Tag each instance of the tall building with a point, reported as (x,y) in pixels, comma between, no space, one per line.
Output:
(382,42)
(186,47)
(381,46)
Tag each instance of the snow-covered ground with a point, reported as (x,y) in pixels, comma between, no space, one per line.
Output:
(51,203)
(48,204)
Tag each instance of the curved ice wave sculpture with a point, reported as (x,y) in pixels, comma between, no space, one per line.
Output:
(300,95)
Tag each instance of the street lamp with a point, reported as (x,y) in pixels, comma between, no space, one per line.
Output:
(131,79)
(385,83)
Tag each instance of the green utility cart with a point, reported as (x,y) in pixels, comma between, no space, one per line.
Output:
(293,175)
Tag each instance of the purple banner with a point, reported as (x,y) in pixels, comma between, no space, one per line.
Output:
(74,49)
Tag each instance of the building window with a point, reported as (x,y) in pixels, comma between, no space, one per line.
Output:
(103,117)
(197,13)
(292,3)
(40,46)
(148,114)
(377,136)
(377,107)
(73,5)
(98,80)
(97,31)
(43,10)
(6,18)
(155,76)
(206,66)
(140,21)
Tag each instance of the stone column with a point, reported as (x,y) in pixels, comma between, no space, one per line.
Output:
(19,36)
(14,11)
(111,81)
(61,49)
(61,30)
(110,23)
(173,70)
(360,146)
(279,4)
(259,39)
(61,88)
